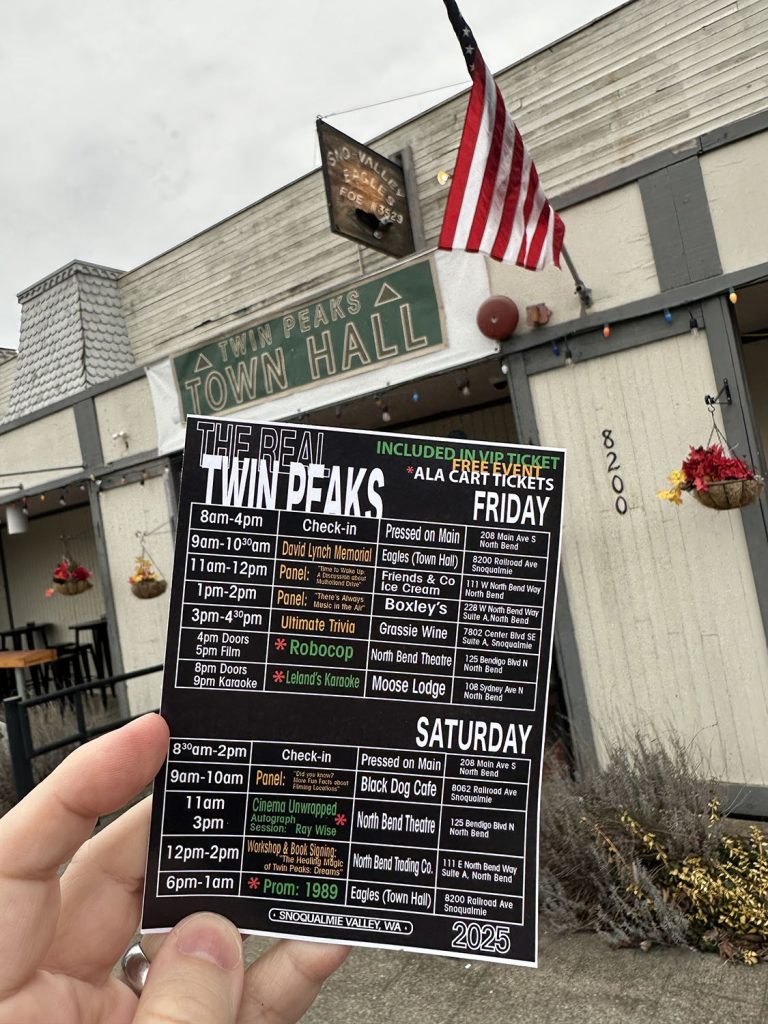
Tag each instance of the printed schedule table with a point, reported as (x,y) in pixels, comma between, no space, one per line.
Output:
(359,643)
(421,611)
(334,827)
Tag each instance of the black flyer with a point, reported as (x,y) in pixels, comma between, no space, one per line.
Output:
(359,644)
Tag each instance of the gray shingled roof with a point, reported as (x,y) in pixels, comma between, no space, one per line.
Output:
(73,335)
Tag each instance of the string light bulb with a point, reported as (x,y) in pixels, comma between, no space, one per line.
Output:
(668,315)
(733,298)
(693,325)
(555,348)
(464,388)
(415,396)
(443,177)
(606,330)
(386,415)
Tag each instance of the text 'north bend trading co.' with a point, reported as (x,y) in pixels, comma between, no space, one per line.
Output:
(389,318)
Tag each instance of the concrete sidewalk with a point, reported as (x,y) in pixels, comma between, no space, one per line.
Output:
(580,981)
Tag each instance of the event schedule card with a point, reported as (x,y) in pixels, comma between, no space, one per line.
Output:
(358,652)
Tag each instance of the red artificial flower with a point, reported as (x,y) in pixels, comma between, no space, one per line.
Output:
(68,570)
(708,465)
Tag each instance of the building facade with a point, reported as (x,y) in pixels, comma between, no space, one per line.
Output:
(650,132)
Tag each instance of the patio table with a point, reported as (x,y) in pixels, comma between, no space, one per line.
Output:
(20,660)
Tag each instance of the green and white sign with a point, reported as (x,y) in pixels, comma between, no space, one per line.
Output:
(388,318)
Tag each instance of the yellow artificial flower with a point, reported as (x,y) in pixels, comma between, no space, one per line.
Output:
(143,571)
(672,495)
(678,480)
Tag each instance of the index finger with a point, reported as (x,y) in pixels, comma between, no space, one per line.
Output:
(49,825)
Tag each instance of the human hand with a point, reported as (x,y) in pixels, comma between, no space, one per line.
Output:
(61,936)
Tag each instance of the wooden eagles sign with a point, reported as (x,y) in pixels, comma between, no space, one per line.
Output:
(366,192)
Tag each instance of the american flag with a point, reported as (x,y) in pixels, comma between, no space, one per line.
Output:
(496,204)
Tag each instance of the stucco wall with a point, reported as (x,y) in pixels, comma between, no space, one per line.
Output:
(734,177)
(126,410)
(41,445)
(608,241)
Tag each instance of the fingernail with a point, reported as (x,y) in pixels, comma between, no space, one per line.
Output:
(209,938)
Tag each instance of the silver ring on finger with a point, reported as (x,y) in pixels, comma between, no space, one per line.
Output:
(135,968)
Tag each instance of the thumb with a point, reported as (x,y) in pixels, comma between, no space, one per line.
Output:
(197,975)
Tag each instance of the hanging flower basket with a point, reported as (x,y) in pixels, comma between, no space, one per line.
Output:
(717,480)
(69,579)
(146,582)
(725,494)
(149,588)
(72,587)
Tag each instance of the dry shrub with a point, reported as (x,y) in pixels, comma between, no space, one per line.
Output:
(639,853)
(49,723)
(7,789)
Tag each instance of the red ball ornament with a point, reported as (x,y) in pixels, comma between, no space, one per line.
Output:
(498,317)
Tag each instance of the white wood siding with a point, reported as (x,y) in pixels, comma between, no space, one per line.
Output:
(663,598)
(652,75)
(648,77)
(142,624)
(275,252)
(30,559)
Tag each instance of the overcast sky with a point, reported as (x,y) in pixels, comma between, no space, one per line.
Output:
(129,125)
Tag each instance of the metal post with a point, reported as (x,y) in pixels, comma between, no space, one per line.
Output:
(19,744)
(584,293)
(80,717)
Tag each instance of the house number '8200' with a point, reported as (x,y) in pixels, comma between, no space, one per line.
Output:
(617,483)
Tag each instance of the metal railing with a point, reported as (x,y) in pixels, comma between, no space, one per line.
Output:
(20,744)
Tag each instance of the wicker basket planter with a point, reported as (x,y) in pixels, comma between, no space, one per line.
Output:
(726,494)
(72,587)
(149,588)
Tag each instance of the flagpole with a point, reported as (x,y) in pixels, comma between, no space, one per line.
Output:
(584,293)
